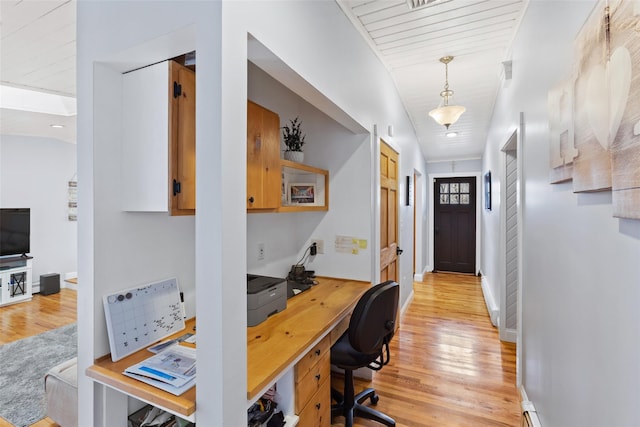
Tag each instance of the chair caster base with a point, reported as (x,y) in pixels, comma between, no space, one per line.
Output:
(358,409)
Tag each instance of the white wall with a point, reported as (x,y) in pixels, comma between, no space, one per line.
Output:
(453,166)
(34,173)
(580,338)
(317,41)
(347,157)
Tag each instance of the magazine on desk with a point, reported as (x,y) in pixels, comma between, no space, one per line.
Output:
(172,370)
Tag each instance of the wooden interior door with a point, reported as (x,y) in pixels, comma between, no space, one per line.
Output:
(183,140)
(388,213)
(455,224)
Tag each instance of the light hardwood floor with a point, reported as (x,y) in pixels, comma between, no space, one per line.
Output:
(448,366)
(42,313)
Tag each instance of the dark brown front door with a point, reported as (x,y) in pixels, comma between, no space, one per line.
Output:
(455,224)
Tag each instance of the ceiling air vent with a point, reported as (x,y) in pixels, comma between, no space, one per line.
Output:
(415,4)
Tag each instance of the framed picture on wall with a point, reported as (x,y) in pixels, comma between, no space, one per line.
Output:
(487,191)
(301,194)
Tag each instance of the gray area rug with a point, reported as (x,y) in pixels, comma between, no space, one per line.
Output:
(23,365)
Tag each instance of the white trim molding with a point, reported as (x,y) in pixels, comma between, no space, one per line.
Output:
(419,277)
(528,409)
(490,301)
(406,304)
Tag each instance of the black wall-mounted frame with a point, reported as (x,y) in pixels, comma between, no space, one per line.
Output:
(487,191)
(408,191)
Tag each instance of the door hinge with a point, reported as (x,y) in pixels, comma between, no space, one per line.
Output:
(176,187)
(177,89)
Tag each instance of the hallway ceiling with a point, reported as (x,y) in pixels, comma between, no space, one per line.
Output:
(410,42)
(39,45)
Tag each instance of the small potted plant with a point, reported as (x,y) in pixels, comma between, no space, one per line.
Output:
(294,140)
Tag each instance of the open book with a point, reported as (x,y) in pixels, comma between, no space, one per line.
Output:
(172,370)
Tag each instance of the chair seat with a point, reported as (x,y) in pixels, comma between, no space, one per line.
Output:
(344,356)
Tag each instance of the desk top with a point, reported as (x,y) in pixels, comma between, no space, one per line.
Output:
(277,342)
(272,345)
(110,373)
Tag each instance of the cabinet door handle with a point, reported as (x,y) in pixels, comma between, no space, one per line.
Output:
(258,142)
(318,405)
(251,199)
(318,377)
(318,352)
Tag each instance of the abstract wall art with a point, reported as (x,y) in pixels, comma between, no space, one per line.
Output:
(594,115)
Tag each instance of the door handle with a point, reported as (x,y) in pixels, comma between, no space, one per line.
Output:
(399,251)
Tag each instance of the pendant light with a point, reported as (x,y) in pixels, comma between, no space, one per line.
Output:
(446,114)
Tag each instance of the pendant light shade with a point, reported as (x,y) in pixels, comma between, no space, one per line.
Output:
(447,112)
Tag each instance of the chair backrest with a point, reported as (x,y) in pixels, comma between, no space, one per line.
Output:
(374,318)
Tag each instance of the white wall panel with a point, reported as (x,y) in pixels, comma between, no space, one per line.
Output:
(34,173)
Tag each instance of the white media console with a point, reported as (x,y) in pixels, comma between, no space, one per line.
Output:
(15,280)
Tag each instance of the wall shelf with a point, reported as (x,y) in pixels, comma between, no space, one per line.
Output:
(297,173)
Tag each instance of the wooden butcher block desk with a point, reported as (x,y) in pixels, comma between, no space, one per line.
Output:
(273,347)
(276,344)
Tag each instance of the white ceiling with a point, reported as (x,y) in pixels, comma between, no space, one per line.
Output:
(478,33)
(38,52)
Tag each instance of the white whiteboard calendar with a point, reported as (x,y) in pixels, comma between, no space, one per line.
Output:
(140,316)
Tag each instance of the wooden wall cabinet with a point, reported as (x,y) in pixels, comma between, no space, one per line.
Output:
(268,177)
(158,139)
(263,158)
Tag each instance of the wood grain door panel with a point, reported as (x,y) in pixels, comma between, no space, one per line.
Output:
(182,163)
(455,224)
(388,213)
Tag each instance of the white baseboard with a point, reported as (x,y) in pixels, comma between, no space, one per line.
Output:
(509,335)
(529,408)
(407,303)
(419,277)
(68,285)
(490,301)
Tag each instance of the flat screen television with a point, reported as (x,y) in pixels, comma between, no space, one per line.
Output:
(15,227)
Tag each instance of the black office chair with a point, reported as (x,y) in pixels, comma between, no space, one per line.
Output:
(365,344)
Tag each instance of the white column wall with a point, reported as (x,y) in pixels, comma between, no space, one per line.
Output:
(208,254)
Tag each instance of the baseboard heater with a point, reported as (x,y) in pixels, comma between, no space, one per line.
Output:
(529,415)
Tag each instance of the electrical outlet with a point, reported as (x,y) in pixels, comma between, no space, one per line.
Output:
(319,245)
(260,251)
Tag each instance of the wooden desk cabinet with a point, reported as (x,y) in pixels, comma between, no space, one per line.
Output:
(313,385)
